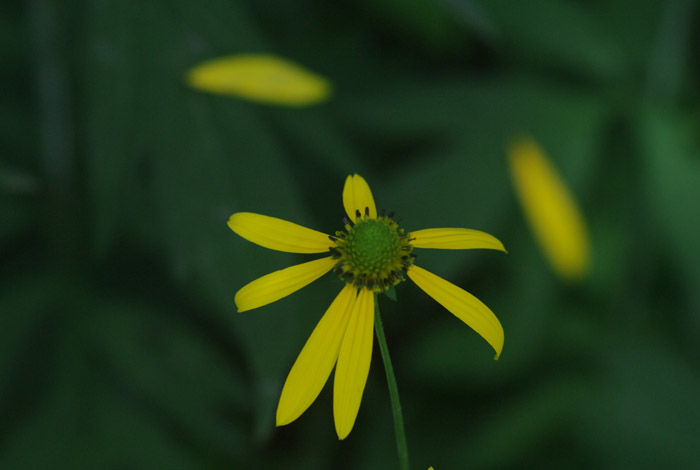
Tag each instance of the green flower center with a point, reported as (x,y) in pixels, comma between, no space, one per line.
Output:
(372,254)
(372,245)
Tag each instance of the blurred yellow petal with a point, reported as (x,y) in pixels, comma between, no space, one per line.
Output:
(454,239)
(357,196)
(278,234)
(550,209)
(262,78)
(279,284)
(316,360)
(353,363)
(461,304)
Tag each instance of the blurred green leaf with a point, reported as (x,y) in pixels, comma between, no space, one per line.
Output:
(114,126)
(475,18)
(192,160)
(51,436)
(24,304)
(670,51)
(428,23)
(17,216)
(207,28)
(634,39)
(124,434)
(77,426)
(311,136)
(670,151)
(563,34)
(644,412)
(535,417)
(166,365)
(110,366)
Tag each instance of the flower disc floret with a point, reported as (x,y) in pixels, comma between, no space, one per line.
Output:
(374,253)
(372,245)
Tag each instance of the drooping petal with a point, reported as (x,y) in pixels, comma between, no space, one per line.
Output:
(316,360)
(357,196)
(279,284)
(262,78)
(454,239)
(353,363)
(278,234)
(550,209)
(461,304)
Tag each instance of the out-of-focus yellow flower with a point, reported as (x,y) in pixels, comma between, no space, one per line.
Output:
(261,78)
(550,209)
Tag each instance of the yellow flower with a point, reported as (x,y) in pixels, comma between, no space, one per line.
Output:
(261,78)
(550,209)
(370,255)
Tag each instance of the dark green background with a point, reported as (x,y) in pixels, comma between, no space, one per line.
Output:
(120,346)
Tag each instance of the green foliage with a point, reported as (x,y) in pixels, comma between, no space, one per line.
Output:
(120,346)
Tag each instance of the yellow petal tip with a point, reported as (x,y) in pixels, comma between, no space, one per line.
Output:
(239,308)
(342,433)
(454,239)
(498,347)
(357,196)
(461,304)
(278,234)
(282,422)
(279,284)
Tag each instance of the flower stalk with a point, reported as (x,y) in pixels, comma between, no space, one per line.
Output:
(401,446)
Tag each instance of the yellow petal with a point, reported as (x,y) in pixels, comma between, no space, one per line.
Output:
(262,78)
(357,196)
(279,284)
(278,234)
(353,364)
(550,209)
(461,304)
(316,360)
(454,239)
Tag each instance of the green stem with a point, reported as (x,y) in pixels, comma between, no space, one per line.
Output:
(401,446)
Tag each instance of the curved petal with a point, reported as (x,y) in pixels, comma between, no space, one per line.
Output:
(454,239)
(353,364)
(316,360)
(461,304)
(278,234)
(550,209)
(357,196)
(279,284)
